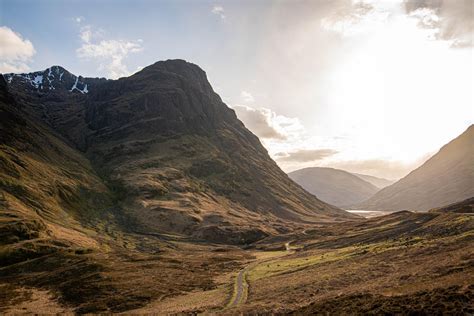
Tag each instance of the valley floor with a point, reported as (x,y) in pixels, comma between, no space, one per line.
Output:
(418,262)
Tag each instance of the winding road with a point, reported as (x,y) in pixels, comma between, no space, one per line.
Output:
(241,285)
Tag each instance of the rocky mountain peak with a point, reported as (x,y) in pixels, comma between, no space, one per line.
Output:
(190,72)
(51,80)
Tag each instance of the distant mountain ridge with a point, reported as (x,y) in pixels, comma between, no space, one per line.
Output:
(446,178)
(378,182)
(334,186)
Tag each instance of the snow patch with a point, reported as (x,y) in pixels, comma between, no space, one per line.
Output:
(84,90)
(37,81)
(75,85)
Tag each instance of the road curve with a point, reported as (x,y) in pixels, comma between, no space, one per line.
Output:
(241,285)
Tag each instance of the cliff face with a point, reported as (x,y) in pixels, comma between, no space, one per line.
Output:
(48,189)
(175,156)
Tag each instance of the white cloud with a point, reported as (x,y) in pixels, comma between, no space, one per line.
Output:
(259,121)
(79,19)
(218,10)
(451,21)
(268,125)
(359,18)
(86,34)
(15,52)
(305,155)
(110,53)
(247,97)
(16,67)
(427,17)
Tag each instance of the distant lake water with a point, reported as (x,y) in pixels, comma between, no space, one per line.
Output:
(368,214)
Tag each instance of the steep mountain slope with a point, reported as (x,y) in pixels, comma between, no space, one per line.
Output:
(177,158)
(48,190)
(333,186)
(378,182)
(445,178)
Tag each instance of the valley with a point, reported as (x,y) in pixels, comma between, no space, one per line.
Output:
(400,261)
(310,157)
(147,194)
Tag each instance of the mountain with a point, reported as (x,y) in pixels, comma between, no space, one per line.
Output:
(378,182)
(446,178)
(47,188)
(159,148)
(334,186)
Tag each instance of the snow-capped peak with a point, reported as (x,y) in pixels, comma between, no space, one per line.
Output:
(52,78)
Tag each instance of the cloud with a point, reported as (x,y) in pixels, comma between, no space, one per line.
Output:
(448,20)
(452,20)
(86,33)
(110,53)
(15,52)
(305,155)
(218,10)
(247,97)
(354,18)
(259,121)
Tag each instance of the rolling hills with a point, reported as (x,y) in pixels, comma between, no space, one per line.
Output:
(378,182)
(334,186)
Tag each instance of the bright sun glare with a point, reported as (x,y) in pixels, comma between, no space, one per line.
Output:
(396,80)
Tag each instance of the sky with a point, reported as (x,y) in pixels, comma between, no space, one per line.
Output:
(373,87)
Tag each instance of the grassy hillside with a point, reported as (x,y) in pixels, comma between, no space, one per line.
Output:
(404,262)
(48,190)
